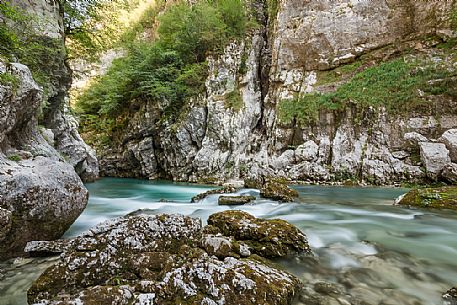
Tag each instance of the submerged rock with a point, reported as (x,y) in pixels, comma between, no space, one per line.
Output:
(278,190)
(166,259)
(440,197)
(225,190)
(235,200)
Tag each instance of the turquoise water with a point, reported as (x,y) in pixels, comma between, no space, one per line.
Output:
(373,251)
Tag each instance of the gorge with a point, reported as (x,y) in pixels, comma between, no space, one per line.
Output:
(245,94)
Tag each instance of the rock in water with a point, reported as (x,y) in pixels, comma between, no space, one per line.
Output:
(224,190)
(450,297)
(40,199)
(163,259)
(440,197)
(278,190)
(268,238)
(235,200)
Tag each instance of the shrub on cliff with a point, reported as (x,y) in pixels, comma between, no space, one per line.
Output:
(171,69)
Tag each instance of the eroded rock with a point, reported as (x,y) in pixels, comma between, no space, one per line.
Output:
(450,296)
(44,198)
(449,173)
(165,259)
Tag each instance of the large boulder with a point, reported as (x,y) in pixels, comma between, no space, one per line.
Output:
(268,238)
(144,259)
(39,199)
(435,157)
(449,138)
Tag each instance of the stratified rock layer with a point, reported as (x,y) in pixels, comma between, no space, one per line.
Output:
(165,259)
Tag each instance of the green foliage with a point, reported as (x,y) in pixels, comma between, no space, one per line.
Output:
(172,69)
(192,31)
(234,100)
(9,79)
(15,158)
(94,26)
(20,41)
(454,17)
(395,85)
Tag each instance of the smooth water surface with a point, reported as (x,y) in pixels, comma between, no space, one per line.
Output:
(372,251)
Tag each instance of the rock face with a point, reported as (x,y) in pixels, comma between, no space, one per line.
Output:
(61,126)
(40,194)
(296,44)
(164,259)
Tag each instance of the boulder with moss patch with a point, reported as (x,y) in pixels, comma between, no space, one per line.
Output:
(277,189)
(441,197)
(164,259)
(267,238)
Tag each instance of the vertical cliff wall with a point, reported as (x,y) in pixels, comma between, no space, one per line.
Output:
(40,148)
(235,130)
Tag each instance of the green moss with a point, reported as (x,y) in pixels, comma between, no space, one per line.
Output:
(440,198)
(233,100)
(7,79)
(337,74)
(15,158)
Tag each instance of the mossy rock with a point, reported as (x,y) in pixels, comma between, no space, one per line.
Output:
(278,190)
(235,200)
(267,238)
(438,198)
(162,259)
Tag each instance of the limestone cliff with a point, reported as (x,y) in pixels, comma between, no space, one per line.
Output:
(40,193)
(297,47)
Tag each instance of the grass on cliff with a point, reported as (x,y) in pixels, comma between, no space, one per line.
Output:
(398,85)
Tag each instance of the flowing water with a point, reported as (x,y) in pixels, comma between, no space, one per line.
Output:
(367,250)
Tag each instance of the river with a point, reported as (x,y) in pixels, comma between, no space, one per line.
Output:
(372,251)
